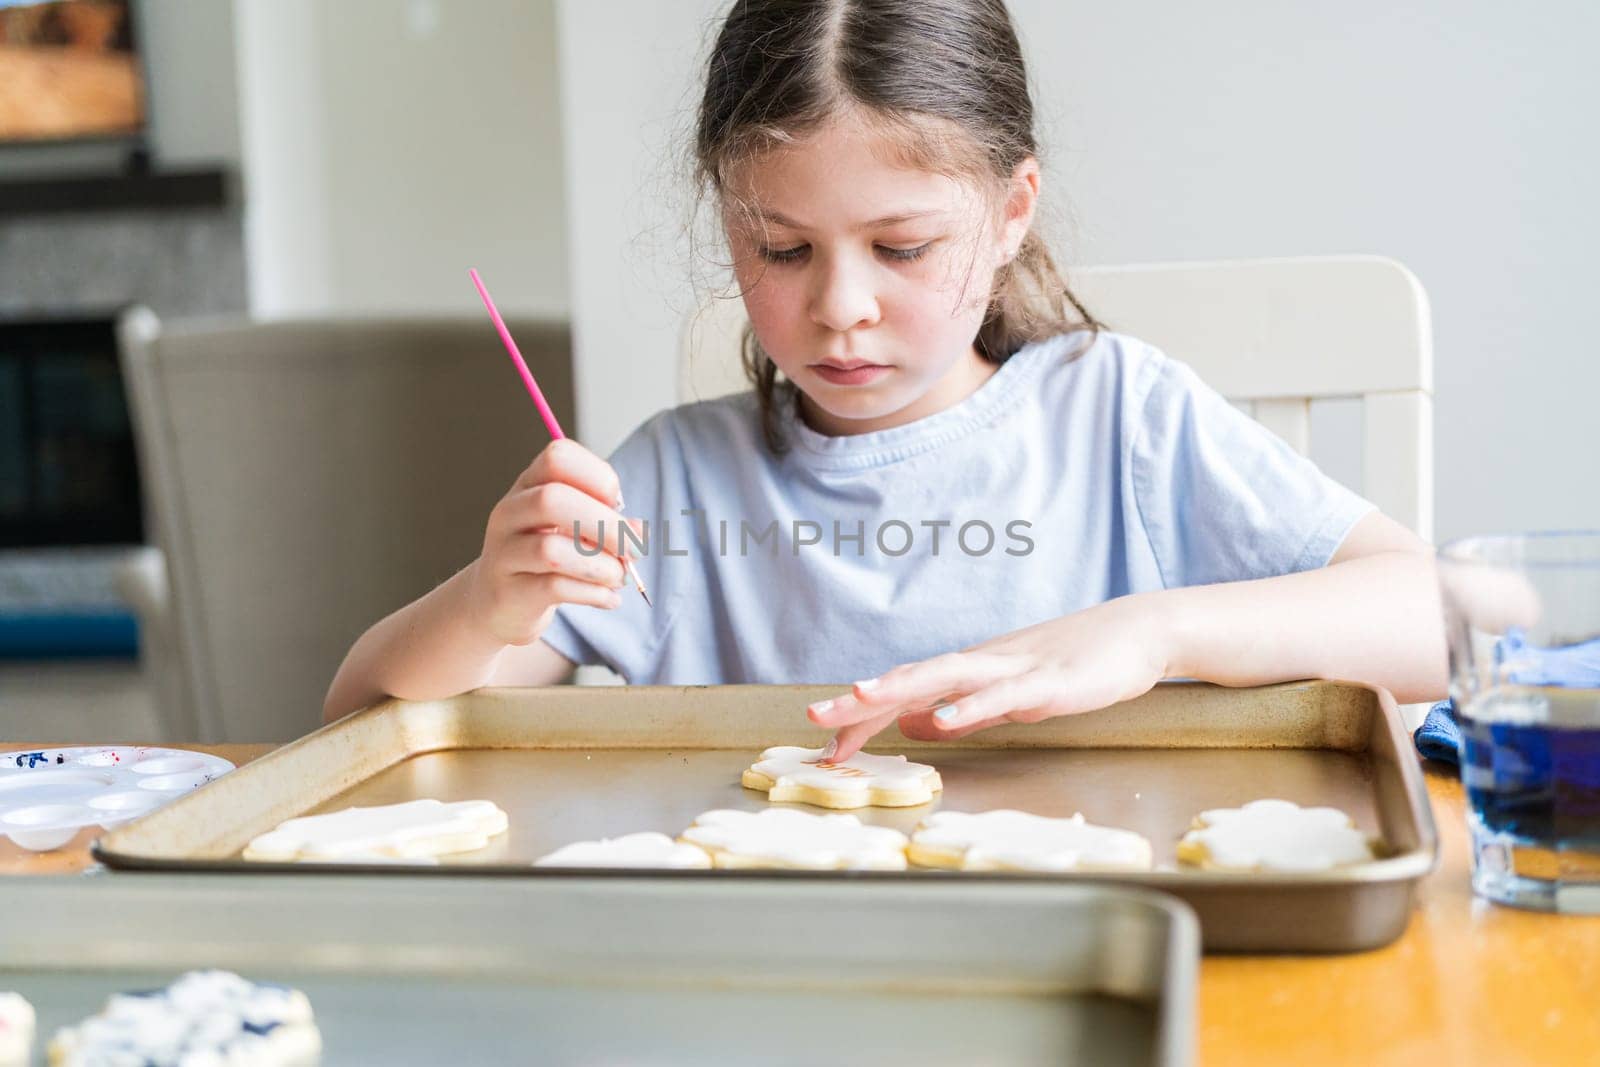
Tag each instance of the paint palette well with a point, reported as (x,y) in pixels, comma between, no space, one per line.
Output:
(47,795)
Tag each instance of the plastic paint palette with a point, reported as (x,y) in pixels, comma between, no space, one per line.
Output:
(48,794)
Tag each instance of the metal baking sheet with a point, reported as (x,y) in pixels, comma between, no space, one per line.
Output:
(471,969)
(570,764)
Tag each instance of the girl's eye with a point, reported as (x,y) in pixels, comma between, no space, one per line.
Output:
(783,255)
(905,255)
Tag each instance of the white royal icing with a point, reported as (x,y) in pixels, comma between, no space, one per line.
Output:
(414,828)
(799,774)
(16,1030)
(204,1018)
(1278,835)
(783,837)
(1018,841)
(630,850)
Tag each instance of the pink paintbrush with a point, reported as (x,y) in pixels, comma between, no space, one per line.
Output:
(534,391)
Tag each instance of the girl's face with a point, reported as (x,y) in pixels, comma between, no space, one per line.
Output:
(867,280)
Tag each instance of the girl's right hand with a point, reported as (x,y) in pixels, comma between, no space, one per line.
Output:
(530,561)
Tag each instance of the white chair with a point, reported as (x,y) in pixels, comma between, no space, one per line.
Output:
(1272,335)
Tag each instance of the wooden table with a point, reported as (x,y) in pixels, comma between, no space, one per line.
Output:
(1468,982)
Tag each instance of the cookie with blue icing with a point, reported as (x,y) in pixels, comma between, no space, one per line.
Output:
(204,1018)
(16,1030)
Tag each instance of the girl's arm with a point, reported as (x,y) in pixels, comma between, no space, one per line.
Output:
(482,626)
(1372,615)
(430,649)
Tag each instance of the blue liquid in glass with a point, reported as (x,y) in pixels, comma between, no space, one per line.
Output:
(1531,768)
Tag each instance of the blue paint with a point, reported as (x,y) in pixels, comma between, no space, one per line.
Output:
(1535,781)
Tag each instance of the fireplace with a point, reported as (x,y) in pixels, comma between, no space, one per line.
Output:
(71,520)
(70,502)
(68,475)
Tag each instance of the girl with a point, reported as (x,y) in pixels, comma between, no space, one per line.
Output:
(946,466)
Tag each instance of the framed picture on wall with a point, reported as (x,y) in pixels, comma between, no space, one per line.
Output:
(70,70)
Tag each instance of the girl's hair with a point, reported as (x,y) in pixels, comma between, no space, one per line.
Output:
(781,68)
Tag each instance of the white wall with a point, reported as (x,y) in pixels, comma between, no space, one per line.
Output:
(629,75)
(1452,136)
(193,98)
(391,144)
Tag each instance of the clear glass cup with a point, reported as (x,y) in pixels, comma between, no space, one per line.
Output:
(1523,614)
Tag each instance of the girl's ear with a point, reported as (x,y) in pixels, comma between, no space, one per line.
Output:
(1022,197)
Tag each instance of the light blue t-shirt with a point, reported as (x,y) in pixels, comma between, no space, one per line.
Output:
(1065,480)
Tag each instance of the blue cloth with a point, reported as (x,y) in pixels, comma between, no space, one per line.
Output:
(1076,473)
(1571,666)
(1439,736)
(68,634)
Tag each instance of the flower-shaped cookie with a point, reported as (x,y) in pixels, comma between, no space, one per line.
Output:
(783,837)
(799,775)
(630,850)
(203,1017)
(416,828)
(1017,841)
(1273,835)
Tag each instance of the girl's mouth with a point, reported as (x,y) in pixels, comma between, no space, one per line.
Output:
(850,373)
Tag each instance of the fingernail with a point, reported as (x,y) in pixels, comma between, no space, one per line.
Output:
(867,686)
(946,713)
(620,505)
(821,706)
(829,749)
(613,600)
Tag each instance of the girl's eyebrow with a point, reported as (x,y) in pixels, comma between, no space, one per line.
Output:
(887,220)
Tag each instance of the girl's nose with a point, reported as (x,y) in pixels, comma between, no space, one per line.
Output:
(843,298)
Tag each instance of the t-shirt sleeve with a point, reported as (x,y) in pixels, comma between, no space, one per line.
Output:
(625,638)
(1221,497)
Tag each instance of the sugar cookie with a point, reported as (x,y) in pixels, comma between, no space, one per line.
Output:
(203,1017)
(631,850)
(413,829)
(1273,835)
(783,837)
(1017,841)
(789,774)
(16,1030)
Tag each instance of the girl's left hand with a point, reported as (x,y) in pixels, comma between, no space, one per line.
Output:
(1113,651)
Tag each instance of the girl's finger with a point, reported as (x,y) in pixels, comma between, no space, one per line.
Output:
(848,741)
(922,726)
(996,701)
(839,711)
(555,553)
(926,682)
(844,711)
(583,519)
(525,599)
(558,588)
(569,462)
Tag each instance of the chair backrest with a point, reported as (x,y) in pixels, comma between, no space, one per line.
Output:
(305,478)
(1272,335)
